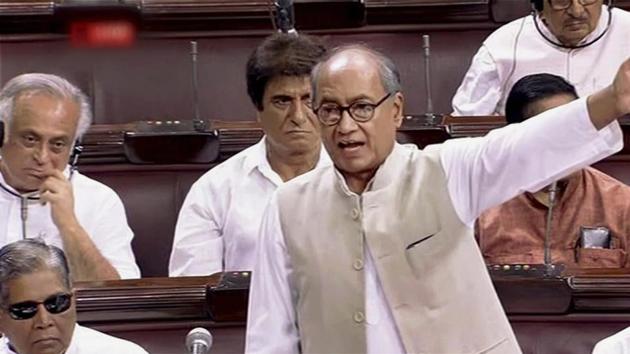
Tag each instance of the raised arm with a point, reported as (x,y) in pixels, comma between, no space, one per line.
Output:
(85,260)
(612,102)
(484,172)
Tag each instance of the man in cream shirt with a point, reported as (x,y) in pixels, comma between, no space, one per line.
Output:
(377,254)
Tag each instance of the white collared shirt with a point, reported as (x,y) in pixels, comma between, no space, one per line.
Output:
(217,227)
(88,341)
(517,49)
(481,173)
(98,209)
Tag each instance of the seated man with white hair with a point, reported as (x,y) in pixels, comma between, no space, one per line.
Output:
(41,195)
(38,306)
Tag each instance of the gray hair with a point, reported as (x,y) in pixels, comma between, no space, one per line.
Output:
(44,83)
(29,256)
(389,75)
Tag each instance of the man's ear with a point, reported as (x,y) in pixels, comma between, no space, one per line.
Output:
(399,101)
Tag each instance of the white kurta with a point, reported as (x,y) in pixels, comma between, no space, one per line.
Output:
(517,49)
(99,210)
(481,172)
(618,343)
(88,341)
(217,227)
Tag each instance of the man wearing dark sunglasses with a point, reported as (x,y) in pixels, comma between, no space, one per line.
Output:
(37,306)
(582,41)
(376,254)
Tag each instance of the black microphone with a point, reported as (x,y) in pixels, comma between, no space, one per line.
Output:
(285,16)
(426,49)
(198,341)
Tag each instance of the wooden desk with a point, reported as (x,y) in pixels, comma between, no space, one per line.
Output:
(157,313)
(568,314)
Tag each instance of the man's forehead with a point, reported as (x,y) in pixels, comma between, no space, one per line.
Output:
(29,99)
(288,85)
(35,286)
(351,59)
(352,74)
(37,107)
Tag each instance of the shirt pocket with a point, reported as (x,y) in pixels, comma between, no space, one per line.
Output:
(601,257)
(422,249)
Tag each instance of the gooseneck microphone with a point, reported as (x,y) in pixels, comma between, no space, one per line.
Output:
(553,191)
(285,16)
(198,341)
(426,51)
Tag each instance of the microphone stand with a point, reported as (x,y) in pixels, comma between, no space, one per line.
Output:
(198,124)
(548,266)
(431,117)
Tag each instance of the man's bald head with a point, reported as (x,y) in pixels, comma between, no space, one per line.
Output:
(358,56)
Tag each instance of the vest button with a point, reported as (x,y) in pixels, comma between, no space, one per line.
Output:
(355,213)
(359,317)
(357,264)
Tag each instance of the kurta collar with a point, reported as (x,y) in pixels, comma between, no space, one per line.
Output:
(257,160)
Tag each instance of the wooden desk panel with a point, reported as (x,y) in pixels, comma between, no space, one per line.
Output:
(169,338)
(549,316)
(564,334)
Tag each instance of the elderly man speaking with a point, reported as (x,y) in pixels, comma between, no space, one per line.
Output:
(376,254)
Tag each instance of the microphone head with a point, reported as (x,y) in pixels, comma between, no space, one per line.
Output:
(198,336)
(425,41)
(285,16)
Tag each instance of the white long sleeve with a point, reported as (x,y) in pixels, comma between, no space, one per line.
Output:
(485,172)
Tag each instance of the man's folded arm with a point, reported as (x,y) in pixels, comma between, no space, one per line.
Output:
(114,236)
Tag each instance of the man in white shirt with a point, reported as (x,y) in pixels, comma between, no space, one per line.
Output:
(217,228)
(376,254)
(38,306)
(41,196)
(582,41)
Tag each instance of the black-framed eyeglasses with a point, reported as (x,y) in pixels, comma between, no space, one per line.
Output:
(565,4)
(54,304)
(331,113)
